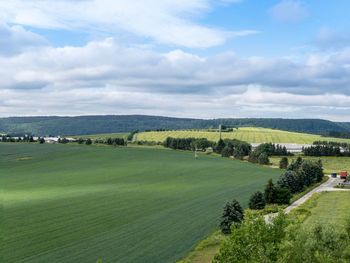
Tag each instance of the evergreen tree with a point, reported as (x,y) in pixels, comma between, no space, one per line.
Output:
(269,192)
(281,196)
(257,201)
(233,214)
(284,163)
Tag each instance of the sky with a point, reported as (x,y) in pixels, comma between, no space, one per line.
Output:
(180,58)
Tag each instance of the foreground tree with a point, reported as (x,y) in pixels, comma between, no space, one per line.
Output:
(233,214)
(254,240)
(257,201)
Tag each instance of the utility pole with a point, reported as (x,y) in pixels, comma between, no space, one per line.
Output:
(220,127)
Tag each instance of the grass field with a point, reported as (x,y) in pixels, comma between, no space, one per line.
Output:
(330,164)
(248,134)
(77,203)
(327,207)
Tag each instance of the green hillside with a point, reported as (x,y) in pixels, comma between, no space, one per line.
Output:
(77,203)
(84,125)
(248,134)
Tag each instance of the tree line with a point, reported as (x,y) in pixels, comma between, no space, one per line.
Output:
(108,141)
(299,175)
(262,153)
(324,148)
(227,148)
(337,134)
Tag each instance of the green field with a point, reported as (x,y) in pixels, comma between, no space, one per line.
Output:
(78,203)
(327,207)
(248,134)
(330,164)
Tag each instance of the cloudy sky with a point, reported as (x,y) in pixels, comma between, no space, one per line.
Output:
(185,58)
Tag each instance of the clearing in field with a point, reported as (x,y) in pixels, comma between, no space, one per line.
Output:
(248,134)
(77,203)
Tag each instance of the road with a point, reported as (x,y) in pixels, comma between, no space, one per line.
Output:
(325,187)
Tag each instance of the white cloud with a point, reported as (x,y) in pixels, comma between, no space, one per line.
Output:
(103,77)
(289,11)
(15,39)
(165,22)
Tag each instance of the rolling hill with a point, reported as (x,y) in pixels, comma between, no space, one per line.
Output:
(85,125)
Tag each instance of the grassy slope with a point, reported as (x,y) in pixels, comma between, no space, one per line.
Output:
(71,203)
(327,207)
(330,164)
(248,134)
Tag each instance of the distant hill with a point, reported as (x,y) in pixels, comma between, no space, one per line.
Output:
(84,125)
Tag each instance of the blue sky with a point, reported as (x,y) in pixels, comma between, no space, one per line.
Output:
(188,58)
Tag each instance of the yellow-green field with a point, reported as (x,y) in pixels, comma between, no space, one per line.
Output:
(248,134)
(330,164)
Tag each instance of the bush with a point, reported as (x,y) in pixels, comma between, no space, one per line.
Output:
(263,159)
(226,152)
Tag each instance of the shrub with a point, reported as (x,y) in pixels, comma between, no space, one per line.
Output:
(263,159)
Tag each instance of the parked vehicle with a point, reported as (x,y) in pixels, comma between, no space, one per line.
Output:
(334,175)
(343,175)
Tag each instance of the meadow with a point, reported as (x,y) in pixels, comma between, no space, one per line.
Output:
(78,203)
(326,208)
(248,134)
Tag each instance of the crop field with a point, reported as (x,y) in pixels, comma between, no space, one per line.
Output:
(327,207)
(330,164)
(248,134)
(78,203)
